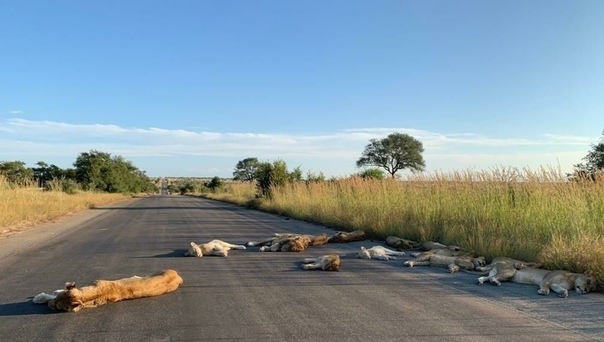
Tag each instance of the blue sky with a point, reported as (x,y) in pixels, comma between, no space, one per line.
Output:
(188,88)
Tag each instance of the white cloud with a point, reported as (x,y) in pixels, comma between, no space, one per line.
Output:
(44,140)
(16,112)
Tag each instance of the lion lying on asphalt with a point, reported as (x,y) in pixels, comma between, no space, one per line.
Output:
(287,242)
(502,269)
(329,262)
(432,245)
(342,237)
(558,281)
(214,247)
(398,243)
(378,252)
(441,259)
(102,292)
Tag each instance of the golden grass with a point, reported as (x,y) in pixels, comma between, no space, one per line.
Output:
(534,216)
(24,206)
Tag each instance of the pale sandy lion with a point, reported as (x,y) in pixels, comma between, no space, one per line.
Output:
(329,262)
(558,281)
(214,247)
(102,292)
(378,252)
(502,269)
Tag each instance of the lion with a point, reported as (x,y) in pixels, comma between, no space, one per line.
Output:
(398,243)
(102,292)
(328,262)
(431,245)
(295,243)
(502,269)
(453,263)
(214,247)
(558,281)
(378,252)
(342,237)
(444,252)
(287,242)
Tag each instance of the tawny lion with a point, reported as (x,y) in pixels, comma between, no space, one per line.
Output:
(453,263)
(287,242)
(398,243)
(329,262)
(214,247)
(342,237)
(102,292)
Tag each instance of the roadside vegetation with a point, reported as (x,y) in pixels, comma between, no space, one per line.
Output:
(522,214)
(25,205)
(33,195)
(543,215)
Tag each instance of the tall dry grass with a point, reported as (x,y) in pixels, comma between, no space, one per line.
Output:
(530,215)
(25,205)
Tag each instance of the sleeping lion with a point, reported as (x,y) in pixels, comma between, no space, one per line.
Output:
(502,269)
(102,292)
(288,242)
(342,237)
(214,247)
(453,263)
(329,262)
(378,252)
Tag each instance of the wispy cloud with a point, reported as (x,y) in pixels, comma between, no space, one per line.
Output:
(16,112)
(21,138)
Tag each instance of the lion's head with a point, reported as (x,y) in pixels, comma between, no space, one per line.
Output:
(296,244)
(585,284)
(333,264)
(364,253)
(479,262)
(66,300)
(194,250)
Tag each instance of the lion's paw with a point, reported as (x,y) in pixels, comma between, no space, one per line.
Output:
(544,292)
(408,263)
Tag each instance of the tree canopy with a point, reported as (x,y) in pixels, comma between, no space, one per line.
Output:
(16,171)
(246,169)
(396,152)
(100,171)
(593,161)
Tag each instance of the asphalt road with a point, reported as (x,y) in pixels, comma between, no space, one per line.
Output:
(258,296)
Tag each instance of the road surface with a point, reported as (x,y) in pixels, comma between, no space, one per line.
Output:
(259,296)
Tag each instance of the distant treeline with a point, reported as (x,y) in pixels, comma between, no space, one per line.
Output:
(92,171)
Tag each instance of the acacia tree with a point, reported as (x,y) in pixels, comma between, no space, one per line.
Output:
(396,152)
(593,161)
(246,169)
